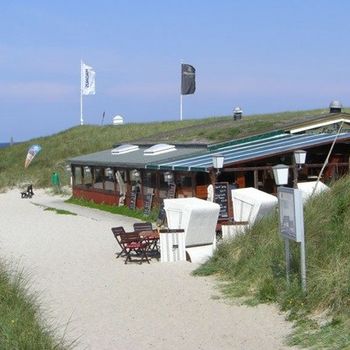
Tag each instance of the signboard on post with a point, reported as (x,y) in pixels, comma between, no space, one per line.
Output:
(171,191)
(291,219)
(133,196)
(221,196)
(147,204)
(291,213)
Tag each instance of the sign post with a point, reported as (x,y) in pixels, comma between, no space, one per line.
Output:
(291,220)
(221,195)
(171,191)
(147,204)
(133,197)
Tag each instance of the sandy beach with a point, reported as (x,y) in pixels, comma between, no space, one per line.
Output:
(91,296)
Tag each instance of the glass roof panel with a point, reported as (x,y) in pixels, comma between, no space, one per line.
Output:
(159,149)
(125,149)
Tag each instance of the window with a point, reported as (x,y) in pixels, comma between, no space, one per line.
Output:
(159,149)
(122,149)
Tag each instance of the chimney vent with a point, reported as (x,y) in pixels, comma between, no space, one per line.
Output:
(237,113)
(335,107)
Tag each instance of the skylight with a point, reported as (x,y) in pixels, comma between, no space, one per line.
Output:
(160,148)
(122,149)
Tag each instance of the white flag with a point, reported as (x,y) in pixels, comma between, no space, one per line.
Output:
(87,80)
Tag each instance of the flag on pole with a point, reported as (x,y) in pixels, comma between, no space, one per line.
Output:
(188,79)
(32,152)
(87,80)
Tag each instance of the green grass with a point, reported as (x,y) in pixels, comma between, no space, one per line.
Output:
(253,266)
(122,210)
(60,211)
(20,324)
(88,139)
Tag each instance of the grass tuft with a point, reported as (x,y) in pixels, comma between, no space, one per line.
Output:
(21,326)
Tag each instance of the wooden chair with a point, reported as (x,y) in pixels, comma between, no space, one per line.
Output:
(131,244)
(143,226)
(116,232)
(152,235)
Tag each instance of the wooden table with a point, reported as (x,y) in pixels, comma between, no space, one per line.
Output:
(152,237)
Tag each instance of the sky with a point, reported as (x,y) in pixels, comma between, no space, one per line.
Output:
(264,56)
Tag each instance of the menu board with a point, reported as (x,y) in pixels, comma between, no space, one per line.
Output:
(221,197)
(171,191)
(147,203)
(133,196)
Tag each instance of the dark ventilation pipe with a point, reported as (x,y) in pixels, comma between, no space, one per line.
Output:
(335,107)
(237,113)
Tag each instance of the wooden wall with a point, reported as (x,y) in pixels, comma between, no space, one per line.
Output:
(96,195)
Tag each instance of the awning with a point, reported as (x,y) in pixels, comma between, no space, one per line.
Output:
(250,150)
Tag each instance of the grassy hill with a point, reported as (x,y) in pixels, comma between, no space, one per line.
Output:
(87,139)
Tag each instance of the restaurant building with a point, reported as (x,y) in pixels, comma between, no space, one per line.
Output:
(129,173)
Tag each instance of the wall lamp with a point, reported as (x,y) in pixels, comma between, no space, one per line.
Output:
(218,162)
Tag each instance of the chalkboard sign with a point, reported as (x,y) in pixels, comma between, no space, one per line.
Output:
(221,197)
(171,191)
(133,196)
(161,215)
(147,203)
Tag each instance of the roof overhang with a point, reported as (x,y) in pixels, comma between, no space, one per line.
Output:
(319,125)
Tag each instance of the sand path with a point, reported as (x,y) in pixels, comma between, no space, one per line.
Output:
(109,305)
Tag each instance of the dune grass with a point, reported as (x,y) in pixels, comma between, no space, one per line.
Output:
(21,326)
(253,266)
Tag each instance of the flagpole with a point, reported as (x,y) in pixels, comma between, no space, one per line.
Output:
(81,95)
(180,106)
(81,108)
(181,62)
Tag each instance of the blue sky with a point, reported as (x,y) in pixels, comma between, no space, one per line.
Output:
(265,56)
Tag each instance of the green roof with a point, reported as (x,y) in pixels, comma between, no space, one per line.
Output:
(136,159)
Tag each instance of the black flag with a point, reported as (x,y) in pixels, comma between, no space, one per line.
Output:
(188,79)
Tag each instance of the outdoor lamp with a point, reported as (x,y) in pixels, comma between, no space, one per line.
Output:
(300,157)
(68,168)
(280,173)
(108,172)
(135,175)
(87,169)
(168,176)
(218,161)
